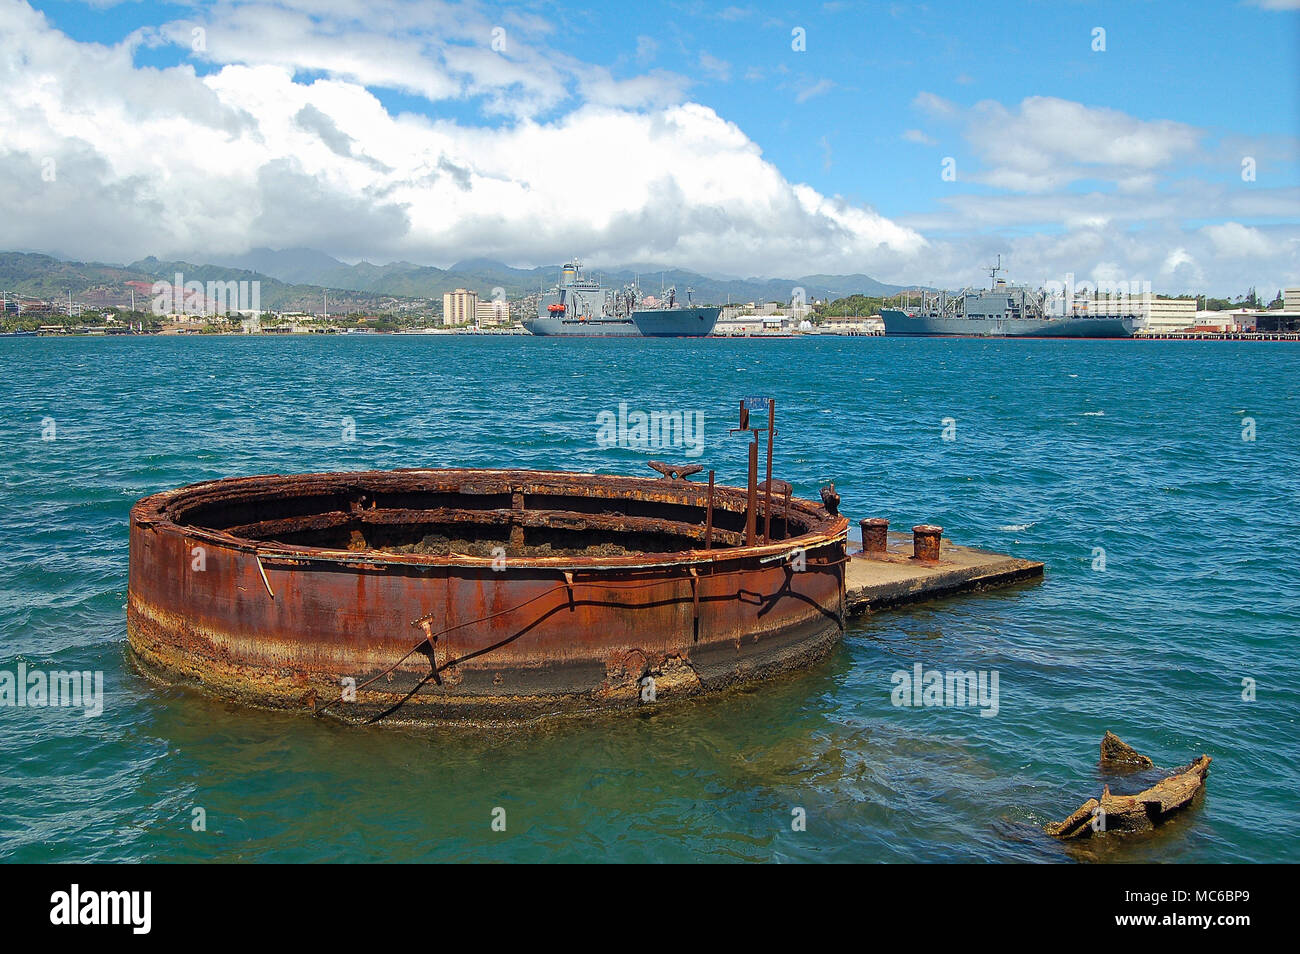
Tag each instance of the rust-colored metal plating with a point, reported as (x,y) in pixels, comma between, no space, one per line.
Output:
(476,595)
(875,536)
(926,541)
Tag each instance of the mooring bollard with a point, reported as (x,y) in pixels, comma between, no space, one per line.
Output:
(925,542)
(875,535)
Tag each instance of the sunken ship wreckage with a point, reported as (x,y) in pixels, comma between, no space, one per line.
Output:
(480,595)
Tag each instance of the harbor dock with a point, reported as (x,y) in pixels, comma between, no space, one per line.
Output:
(894,576)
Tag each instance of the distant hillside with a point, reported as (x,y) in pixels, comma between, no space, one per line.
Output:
(482,275)
(297,266)
(280,295)
(42,276)
(298,280)
(403,279)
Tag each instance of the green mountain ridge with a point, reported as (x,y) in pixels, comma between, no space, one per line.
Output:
(298,279)
(43,276)
(482,275)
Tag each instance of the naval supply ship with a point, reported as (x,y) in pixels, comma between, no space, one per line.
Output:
(1004,311)
(582,307)
(668,318)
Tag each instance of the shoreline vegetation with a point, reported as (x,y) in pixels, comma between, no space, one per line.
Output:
(44,319)
(46,295)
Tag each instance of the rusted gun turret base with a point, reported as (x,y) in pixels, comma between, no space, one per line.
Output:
(432,595)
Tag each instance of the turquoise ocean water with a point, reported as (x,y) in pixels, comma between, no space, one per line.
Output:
(1060,449)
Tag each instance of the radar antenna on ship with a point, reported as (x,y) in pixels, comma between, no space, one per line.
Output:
(993,271)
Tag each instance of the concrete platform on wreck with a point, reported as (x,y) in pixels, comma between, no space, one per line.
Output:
(895,577)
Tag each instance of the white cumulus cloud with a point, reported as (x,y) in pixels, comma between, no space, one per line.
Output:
(278,135)
(285,142)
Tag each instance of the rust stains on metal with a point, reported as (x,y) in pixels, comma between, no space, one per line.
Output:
(481,595)
(1140,812)
(831,499)
(676,472)
(926,541)
(875,536)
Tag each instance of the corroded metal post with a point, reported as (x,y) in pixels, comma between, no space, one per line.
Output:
(875,535)
(708,518)
(767,504)
(751,507)
(925,542)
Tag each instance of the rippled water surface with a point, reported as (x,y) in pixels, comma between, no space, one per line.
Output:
(1061,448)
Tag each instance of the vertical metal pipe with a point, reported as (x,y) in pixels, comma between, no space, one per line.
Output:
(767,504)
(752,502)
(708,519)
(785,510)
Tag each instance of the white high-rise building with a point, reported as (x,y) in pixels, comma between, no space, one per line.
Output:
(459,307)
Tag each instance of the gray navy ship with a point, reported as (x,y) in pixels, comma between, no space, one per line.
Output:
(1004,311)
(582,307)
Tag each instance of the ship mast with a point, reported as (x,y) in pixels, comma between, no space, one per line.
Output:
(993,272)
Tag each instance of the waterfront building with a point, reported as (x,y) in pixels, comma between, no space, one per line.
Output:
(1156,315)
(1168,314)
(852,325)
(495,312)
(1286,321)
(738,326)
(459,307)
(1236,319)
(749,325)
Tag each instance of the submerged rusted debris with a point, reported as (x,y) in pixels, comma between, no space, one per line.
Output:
(1153,805)
(1139,812)
(477,595)
(1078,825)
(1118,756)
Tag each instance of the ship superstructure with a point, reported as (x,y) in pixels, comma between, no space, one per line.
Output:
(579,306)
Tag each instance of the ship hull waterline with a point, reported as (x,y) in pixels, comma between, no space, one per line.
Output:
(648,323)
(556,327)
(899,324)
(690,322)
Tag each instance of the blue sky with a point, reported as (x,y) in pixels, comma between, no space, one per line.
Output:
(1126,162)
